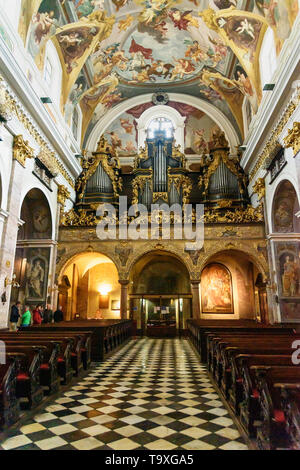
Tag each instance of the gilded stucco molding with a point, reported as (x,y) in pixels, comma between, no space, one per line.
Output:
(292,140)
(272,142)
(22,150)
(13,106)
(62,195)
(260,188)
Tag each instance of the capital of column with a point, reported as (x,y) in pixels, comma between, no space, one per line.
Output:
(124,282)
(195,282)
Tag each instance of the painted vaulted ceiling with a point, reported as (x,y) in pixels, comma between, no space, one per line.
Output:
(112,50)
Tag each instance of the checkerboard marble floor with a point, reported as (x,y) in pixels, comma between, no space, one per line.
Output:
(153,394)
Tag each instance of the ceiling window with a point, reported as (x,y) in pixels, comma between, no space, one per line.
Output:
(161,125)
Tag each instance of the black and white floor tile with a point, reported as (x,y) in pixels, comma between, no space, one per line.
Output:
(153,394)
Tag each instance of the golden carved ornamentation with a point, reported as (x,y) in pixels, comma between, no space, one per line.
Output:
(219,155)
(78,219)
(181,182)
(224,204)
(260,188)
(161,195)
(209,18)
(105,156)
(142,155)
(239,216)
(48,159)
(272,142)
(22,150)
(178,154)
(14,107)
(138,185)
(219,140)
(62,195)
(5,112)
(292,140)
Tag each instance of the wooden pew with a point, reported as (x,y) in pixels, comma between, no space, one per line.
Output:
(83,351)
(53,369)
(106,334)
(244,395)
(9,404)
(198,329)
(290,402)
(273,430)
(221,362)
(29,362)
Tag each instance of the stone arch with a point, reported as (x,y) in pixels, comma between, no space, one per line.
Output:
(82,276)
(262,265)
(285,205)
(161,249)
(37,213)
(214,113)
(244,268)
(69,256)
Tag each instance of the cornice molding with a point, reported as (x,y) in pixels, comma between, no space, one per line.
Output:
(26,101)
(288,59)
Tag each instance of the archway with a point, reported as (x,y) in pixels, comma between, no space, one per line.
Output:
(160,294)
(34,251)
(89,287)
(285,207)
(233,287)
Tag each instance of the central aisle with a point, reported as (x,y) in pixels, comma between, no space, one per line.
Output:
(152,394)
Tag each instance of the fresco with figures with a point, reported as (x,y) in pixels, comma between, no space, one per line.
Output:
(216,289)
(209,46)
(288,267)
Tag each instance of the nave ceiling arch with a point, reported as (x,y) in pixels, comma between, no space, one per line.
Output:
(113,50)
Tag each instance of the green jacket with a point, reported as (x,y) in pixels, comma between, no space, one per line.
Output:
(26,318)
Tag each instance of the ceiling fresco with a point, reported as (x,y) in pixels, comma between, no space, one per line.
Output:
(112,50)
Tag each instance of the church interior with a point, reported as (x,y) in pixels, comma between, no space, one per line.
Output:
(149,225)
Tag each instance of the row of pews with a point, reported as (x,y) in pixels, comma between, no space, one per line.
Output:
(39,360)
(255,370)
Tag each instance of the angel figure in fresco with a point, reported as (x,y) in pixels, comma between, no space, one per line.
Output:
(194,52)
(246,29)
(44,24)
(116,142)
(182,67)
(244,84)
(127,125)
(181,20)
(74,43)
(130,147)
(199,141)
(112,98)
(138,55)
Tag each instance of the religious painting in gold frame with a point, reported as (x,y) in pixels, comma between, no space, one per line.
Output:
(216,290)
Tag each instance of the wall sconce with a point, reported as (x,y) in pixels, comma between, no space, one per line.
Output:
(11,282)
(3,298)
(105,289)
